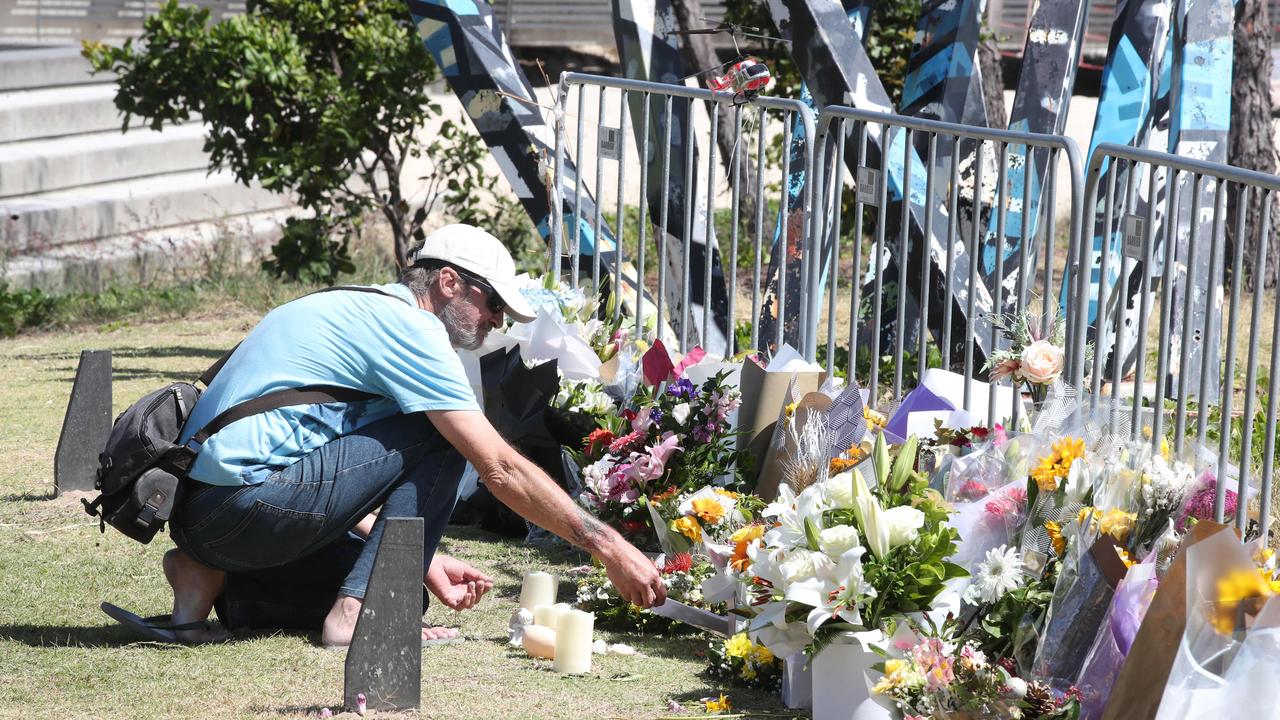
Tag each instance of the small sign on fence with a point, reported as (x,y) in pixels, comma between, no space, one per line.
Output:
(1133,226)
(868,185)
(610,143)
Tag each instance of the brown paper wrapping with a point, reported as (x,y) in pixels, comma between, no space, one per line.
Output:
(1145,672)
(764,394)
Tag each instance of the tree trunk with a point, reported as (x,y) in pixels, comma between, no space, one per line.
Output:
(1252,143)
(992,82)
(700,55)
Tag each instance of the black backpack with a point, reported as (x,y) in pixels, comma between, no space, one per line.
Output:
(142,468)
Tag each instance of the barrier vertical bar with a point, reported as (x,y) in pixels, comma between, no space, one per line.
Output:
(1218,230)
(577,192)
(709,226)
(759,244)
(855,294)
(1148,260)
(997,301)
(643,157)
(665,214)
(784,238)
(979,151)
(621,239)
(1180,421)
(878,264)
(1229,371)
(595,251)
(953,212)
(904,272)
(731,342)
(925,258)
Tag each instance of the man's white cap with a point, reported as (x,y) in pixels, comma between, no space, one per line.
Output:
(478,252)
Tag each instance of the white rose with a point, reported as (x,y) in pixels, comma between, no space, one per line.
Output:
(835,541)
(798,566)
(839,490)
(1041,362)
(904,524)
(680,413)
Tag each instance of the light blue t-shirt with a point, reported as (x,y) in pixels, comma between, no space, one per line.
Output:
(382,345)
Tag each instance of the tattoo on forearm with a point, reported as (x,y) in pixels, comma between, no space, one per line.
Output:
(590,533)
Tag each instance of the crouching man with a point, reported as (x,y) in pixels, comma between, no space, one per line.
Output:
(283,494)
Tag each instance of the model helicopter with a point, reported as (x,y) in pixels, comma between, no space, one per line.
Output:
(747,76)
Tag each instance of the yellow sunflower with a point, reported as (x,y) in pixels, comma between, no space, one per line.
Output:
(1055,537)
(1055,466)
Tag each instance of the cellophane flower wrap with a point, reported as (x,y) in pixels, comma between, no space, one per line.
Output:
(672,438)
(1228,660)
(1129,605)
(839,556)
(682,575)
(581,313)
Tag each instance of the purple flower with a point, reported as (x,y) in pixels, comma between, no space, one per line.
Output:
(682,388)
(703,433)
(1200,504)
(655,416)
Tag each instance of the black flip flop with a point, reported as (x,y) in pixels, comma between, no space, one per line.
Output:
(157,628)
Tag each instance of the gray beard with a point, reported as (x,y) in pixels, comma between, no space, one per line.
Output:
(455,324)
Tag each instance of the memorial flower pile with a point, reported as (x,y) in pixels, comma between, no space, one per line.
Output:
(841,556)
(673,439)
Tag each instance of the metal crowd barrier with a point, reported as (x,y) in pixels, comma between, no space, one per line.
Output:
(636,146)
(1140,316)
(971,228)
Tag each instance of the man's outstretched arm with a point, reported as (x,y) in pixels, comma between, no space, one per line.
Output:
(526,489)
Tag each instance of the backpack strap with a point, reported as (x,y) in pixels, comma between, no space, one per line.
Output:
(208,375)
(305,395)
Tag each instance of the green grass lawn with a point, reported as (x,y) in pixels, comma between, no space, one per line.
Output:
(61,657)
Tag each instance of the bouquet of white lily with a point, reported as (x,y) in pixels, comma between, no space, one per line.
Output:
(842,556)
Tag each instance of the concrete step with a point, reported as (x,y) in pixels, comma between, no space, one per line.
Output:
(151,256)
(39,166)
(35,223)
(55,112)
(46,67)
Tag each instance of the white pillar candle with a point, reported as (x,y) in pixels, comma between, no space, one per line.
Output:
(573,642)
(561,609)
(539,588)
(545,615)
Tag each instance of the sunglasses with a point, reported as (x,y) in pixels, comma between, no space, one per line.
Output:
(494,301)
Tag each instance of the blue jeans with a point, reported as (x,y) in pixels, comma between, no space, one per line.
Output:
(292,531)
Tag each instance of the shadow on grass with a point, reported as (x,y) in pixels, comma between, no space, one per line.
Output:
(167,351)
(29,496)
(73,636)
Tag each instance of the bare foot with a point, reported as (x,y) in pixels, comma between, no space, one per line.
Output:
(340,624)
(195,586)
